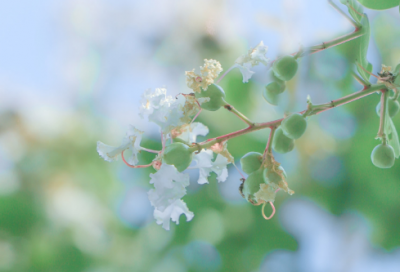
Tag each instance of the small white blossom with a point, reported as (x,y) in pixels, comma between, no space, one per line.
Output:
(170,187)
(252,58)
(131,141)
(205,165)
(161,109)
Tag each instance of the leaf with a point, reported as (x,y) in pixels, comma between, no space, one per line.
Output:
(379,4)
(394,140)
(355,9)
(363,42)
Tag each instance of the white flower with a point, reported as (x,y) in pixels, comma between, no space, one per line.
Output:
(190,132)
(252,58)
(131,141)
(161,109)
(209,72)
(205,165)
(170,187)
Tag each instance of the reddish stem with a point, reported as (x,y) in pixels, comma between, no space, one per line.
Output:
(273,211)
(134,166)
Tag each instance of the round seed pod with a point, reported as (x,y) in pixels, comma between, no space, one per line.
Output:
(285,68)
(272,176)
(275,78)
(281,143)
(252,183)
(294,126)
(251,162)
(383,156)
(216,95)
(272,91)
(379,4)
(393,107)
(178,154)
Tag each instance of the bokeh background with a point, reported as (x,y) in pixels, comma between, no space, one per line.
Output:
(72,72)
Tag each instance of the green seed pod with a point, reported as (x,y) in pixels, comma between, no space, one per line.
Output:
(272,91)
(275,78)
(294,126)
(251,162)
(397,80)
(282,143)
(393,108)
(252,183)
(271,176)
(379,4)
(285,68)
(383,156)
(216,95)
(178,154)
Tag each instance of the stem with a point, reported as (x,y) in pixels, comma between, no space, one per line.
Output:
(316,109)
(344,14)
(150,150)
(382,119)
(238,114)
(360,80)
(227,71)
(273,210)
(325,45)
(269,145)
(134,166)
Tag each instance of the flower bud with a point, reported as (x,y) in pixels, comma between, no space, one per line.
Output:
(285,68)
(252,184)
(272,91)
(216,95)
(251,162)
(281,143)
(294,126)
(178,154)
(383,156)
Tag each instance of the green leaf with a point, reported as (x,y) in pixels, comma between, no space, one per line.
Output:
(394,139)
(363,42)
(355,9)
(379,4)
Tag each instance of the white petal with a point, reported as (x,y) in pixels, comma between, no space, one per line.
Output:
(204,163)
(258,54)
(109,153)
(192,131)
(172,212)
(220,168)
(131,140)
(246,72)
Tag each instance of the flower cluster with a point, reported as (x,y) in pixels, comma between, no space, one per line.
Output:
(209,72)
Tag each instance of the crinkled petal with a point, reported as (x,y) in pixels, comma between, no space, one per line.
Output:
(246,72)
(258,54)
(204,164)
(131,141)
(172,212)
(220,168)
(266,193)
(109,153)
(190,133)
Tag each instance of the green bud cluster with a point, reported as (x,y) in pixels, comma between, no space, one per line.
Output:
(179,155)
(258,174)
(284,69)
(292,128)
(216,95)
